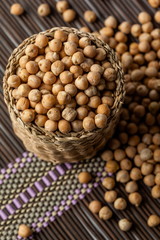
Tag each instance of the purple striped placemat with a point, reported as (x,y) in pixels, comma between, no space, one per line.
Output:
(35,192)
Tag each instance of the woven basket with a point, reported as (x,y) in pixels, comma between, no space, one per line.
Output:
(56,147)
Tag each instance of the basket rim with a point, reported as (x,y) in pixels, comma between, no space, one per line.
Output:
(13,63)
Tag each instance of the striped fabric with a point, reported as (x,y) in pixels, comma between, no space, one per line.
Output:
(35,192)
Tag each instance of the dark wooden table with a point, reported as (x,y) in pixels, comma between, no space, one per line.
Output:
(78,222)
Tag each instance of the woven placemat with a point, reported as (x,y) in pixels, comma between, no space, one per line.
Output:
(34,192)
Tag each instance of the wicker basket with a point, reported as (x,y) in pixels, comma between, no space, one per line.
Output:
(56,147)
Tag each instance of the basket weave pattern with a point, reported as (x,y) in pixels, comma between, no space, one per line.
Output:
(56,147)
